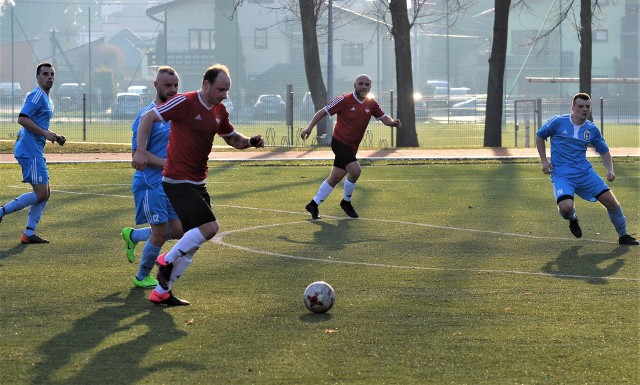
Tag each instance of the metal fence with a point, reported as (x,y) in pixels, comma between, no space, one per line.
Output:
(454,122)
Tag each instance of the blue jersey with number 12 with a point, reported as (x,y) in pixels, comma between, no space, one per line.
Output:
(157,143)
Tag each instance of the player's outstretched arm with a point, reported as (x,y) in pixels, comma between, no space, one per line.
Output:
(607,161)
(239,141)
(321,113)
(542,152)
(391,122)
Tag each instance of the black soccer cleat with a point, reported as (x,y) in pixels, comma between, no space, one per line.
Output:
(312,207)
(348,208)
(164,272)
(574,226)
(167,299)
(31,239)
(628,240)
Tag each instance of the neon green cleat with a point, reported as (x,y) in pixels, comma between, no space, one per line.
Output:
(130,246)
(147,283)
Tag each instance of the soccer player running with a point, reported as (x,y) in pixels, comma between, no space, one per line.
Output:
(571,172)
(34,118)
(196,117)
(354,111)
(151,202)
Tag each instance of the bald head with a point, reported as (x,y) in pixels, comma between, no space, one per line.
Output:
(362,86)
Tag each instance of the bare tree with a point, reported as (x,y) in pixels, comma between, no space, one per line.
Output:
(589,10)
(406,15)
(310,12)
(586,48)
(401,31)
(495,86)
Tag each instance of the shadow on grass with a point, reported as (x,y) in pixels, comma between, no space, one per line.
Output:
(330,236)
(571,264)
(314,318)
(15,250)
(111,344)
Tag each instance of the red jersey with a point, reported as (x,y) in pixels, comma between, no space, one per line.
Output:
(353,118)
(193,126)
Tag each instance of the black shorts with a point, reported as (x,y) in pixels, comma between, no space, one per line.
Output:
(344,154)
(191,202)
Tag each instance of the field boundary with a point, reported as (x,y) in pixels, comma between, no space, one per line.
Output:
(314,154)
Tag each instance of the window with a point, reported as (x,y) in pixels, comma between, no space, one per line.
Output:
(601,35)
(260,38)
(201,39)
(352,54)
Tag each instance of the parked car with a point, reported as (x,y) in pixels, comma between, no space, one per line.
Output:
(431,86)
(469,107)
(127,105)
(269,107)
(7,95)
(69,96)
(143,91)
(420,106)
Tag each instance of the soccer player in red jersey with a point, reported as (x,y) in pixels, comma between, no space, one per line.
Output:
(196,117)
(354,111)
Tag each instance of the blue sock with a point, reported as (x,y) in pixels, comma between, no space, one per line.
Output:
(149,254)
(619,221)
(138,235)
(35,213)
(24,200)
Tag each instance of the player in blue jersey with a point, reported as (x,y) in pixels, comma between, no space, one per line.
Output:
(571,172)
(152,205)
(34,118)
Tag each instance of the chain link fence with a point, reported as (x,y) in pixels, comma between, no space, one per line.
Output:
(441,122)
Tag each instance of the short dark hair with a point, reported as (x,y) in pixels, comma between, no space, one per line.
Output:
(212,72)
(43,64)
(167,70)
(581,95)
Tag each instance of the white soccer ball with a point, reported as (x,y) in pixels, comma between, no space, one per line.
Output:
(319,297)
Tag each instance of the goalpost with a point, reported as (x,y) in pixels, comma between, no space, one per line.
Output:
(532,108)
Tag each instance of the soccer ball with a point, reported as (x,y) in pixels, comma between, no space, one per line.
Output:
(319,297)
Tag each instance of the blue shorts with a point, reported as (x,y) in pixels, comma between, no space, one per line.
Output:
(153,206)
(588,186)
(34,170)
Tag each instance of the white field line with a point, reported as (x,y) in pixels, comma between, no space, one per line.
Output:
(219,239)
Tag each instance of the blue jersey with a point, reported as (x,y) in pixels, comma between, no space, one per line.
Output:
(157,143)
(569,144)
(39,108)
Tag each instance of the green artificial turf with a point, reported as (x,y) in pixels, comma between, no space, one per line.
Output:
(455,273)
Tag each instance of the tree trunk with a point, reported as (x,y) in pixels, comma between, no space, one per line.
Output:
(495,86)
(586,47)
(309,16)
(406,136)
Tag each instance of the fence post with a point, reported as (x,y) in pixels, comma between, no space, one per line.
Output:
(290,112)
(84,117)
(602,115)
(391,109)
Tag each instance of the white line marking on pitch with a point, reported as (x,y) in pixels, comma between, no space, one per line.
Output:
(219,240)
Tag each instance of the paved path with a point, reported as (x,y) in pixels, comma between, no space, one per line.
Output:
(315,154)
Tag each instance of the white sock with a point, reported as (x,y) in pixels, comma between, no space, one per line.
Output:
(348,189)
(187,245)
(323,192)
(179,267)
